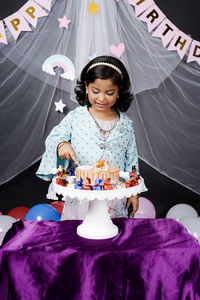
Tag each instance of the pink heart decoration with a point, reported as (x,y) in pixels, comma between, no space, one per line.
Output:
(117,50)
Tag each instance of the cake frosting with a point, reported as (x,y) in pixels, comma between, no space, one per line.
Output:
(101,170)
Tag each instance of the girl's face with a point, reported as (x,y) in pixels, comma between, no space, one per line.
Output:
(102,94)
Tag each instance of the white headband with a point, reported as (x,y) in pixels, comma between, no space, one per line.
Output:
(106,64)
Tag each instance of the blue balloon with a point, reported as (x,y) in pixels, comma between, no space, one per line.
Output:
(42,212)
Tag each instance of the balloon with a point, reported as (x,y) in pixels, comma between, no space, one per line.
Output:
(146,208)
(2,234)
(192,224)
(6,223)
(51,194)
(42,212)
(58,205)
(18,212)
(141,216)
(182,210)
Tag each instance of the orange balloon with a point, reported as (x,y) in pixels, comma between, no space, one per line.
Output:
(58,205)
(18,212)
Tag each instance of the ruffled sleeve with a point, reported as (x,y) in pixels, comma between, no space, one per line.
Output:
(50,159)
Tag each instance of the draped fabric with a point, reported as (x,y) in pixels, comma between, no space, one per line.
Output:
(150,259)
(166,108)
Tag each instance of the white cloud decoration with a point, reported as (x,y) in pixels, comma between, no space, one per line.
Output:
(60,61)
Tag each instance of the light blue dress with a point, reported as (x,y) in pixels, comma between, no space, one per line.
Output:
(79,128)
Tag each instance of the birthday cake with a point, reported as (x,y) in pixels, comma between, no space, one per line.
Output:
(100,176)
(101,170)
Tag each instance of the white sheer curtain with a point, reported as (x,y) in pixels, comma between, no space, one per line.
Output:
(166,107)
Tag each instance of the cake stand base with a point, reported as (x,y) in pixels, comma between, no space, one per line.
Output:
(97,223)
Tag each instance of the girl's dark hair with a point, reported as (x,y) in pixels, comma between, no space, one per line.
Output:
(105,72)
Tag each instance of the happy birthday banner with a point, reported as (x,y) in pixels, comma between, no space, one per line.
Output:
(19,21)
(159,26)
(146,10)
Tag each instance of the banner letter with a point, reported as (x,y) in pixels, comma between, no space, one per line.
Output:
(153,16)
(180,43)
(16,24)
(32,11)
(166,31)
(140,6)
(194,54)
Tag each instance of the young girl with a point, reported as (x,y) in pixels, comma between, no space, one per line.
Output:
(98,129)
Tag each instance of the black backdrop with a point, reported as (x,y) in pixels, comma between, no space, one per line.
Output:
(27,190)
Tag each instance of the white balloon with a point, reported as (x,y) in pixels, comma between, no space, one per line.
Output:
(2,234)
(192,224)
(182,210)
(6,223)
(142,216)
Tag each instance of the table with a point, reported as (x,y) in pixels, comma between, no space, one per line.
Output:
(149,259)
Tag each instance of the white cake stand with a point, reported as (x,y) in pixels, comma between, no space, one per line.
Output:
(97,223)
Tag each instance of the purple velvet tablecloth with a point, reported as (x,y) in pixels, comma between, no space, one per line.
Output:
(149,259)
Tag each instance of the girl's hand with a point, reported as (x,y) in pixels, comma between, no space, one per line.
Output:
(134,200)
(67,152)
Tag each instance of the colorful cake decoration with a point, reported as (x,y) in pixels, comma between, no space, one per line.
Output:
(87,186)
(108,185)
(79,185)
(96,177)
(98,184)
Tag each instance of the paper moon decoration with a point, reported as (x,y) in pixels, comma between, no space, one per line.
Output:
(60,61)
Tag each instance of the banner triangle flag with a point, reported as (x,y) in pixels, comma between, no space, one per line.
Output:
(32,11)
(194,54)
(44,3)
(140,5)
(153,16)
(180,43)
(165,31)
(16,24)
(3,38)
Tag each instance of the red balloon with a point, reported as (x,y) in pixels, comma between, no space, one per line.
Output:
(18,212)
(58,205)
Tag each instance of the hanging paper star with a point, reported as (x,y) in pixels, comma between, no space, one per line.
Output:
(59,105)
(93,8)
(64,22)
